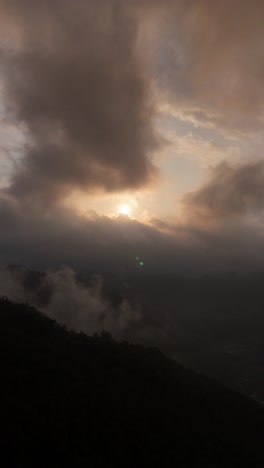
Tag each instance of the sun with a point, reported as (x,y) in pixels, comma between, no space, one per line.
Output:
(124,210)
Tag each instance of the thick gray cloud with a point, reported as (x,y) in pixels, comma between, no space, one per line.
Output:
(72,76)
(231,192)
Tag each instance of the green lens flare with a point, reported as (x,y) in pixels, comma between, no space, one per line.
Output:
(141,263)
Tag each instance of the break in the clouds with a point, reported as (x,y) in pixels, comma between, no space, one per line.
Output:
(73,78)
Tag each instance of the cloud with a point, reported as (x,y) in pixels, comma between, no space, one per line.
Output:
(80,78)
(11,142)
(86,243)
(76,77)
(209,64)
(98,244)
(73,78)
(60,295)
(230,192)
(206,150)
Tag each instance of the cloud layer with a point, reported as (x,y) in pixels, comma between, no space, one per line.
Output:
(231,192)
(62,296)
(211,63)
(82,79)
(73,78)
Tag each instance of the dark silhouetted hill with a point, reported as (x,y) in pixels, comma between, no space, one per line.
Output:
(69,400)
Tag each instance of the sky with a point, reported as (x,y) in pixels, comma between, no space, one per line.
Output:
(155,105)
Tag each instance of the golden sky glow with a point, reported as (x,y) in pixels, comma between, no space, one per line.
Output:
(124,209)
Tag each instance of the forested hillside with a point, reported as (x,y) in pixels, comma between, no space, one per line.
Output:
(69,400)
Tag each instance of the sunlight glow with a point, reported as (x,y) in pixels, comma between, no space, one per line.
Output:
(124,209)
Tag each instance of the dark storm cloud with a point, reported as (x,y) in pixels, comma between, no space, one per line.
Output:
(231,191)
(72,76)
